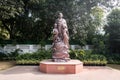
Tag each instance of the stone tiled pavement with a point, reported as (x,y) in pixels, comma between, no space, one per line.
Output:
(33,73)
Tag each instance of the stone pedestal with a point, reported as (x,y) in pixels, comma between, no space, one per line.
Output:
(70,67)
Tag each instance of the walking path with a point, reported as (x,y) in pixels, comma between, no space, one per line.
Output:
(33,73)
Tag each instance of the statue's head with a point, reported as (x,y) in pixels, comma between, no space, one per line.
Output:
(60,15)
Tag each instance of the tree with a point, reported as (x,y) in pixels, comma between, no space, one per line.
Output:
(95,24)
(45,10)
(99,44)
(9,10)
(35,18)
(113,30)
(3,33)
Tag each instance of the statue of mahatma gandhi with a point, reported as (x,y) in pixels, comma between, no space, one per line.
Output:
(60,45)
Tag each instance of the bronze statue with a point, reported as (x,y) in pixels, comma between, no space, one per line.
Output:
(60,45)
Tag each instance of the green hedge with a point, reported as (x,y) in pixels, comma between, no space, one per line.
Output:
(33,58)
(94,63)
(85,56)
(88,58)
(113,58)
(27,62)
(39,55)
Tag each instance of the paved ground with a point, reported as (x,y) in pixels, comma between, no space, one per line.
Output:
(33,73)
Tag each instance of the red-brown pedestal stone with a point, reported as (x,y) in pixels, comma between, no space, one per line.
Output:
(70,67)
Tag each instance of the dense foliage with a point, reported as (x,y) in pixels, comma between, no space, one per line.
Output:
(39,55)
(32,20)
(86,56)
(9,12)
(113,58)
(113,31)
(33,58)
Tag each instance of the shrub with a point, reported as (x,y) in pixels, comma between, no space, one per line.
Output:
(95,59)
(33,58)
(77,54)
(3,56)
(88,57)
(27,62)
(73,54)
(113,58)
(39,55)
(94,63)
(13,55)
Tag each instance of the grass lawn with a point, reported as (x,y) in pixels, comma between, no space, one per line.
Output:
(6,64)
(116,66)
